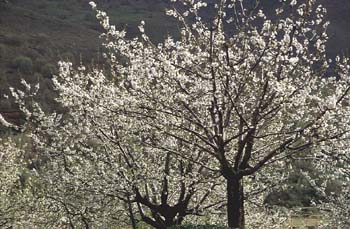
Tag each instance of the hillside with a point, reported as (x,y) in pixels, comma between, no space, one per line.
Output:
(36,34)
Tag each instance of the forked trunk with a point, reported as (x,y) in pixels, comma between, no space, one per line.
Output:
(235,204)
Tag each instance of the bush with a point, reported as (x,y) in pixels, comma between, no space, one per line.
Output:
(23,64)
(48,70)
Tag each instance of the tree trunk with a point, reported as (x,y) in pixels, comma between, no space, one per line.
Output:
(235,204)
(131,213)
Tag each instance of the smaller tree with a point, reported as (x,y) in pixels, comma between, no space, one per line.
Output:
(14,197)
(333,184)
(94,165)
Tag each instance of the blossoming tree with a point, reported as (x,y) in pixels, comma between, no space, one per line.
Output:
(14,198)
(94,168)
(245,90)
(237,93)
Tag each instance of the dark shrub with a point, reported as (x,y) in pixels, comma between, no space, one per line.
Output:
(23,64)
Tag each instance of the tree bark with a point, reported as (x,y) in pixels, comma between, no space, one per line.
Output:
(235,203)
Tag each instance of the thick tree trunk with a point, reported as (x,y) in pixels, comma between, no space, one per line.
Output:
(235,204)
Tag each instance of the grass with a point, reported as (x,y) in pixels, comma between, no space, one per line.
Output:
(306,217)
(311,221)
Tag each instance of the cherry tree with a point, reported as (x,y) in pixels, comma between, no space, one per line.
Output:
(94,168)
(245,89)
(177,126)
